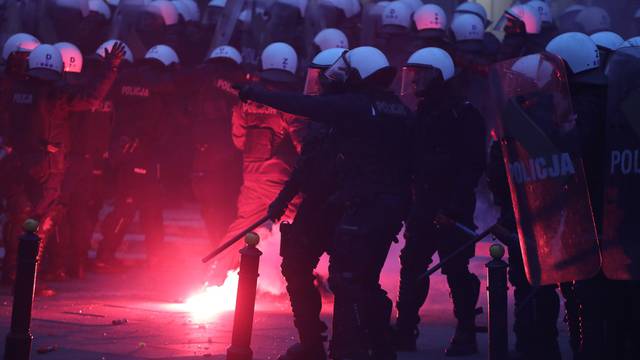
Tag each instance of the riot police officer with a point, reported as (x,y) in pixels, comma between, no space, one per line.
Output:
(373,168)
(472,58)
(308,236)
(216,168)
(607,42)
(39,135)
(587,85)
(330,38)
(548,28)
(86,182)
(269,140)
(521,23)
(445,178)
(536,308)
(431,23)
(144,120)
(396,37)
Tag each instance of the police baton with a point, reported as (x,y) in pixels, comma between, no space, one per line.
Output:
(235,239)
(497,230)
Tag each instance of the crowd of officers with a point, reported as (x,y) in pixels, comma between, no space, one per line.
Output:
(347,158)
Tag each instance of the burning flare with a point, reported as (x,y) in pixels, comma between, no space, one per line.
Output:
(213,300)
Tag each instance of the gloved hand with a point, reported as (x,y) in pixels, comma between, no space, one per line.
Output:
(277,209)
(115,56)
(245,91)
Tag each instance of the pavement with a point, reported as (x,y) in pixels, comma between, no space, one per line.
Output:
(141,313)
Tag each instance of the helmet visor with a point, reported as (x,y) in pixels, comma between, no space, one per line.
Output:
(507,21)
(409,76)
(312,84)
(409,86)
(339,71)
(417,79)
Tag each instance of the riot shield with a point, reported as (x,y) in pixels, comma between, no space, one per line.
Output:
(620,244)
(227,23)
(541,152)
(254,34)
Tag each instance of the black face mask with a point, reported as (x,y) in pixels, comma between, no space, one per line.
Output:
(429,82)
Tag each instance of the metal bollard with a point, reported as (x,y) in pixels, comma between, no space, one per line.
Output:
(18,344)
(240,348)
(498,306)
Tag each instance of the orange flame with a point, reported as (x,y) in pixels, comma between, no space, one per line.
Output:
(213,300)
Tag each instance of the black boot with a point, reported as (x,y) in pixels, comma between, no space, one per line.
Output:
(465,289)
(463,343)
(305,351)
(572,317)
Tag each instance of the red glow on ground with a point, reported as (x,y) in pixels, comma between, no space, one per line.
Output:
(210,301)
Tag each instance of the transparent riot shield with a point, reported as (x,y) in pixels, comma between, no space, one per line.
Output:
(227,23)
(620,241)
(541,151)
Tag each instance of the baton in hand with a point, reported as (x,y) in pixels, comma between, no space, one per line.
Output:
(443,220)
(236,238)
(497,230)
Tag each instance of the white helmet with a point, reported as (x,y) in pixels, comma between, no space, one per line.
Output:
(593,19)
(474,8)
(398,14)
(279,56)
(82,5)
(367,60)
(414,5)
(534,67)
(543,9)
(100,7)
(331,38)
(21,42)
(165,9)
(577,50)
(607,40)
(217,3)
(467,27)
(430,17)
(163,53)
(326,58)
(435,57)
(71,57)
(529,16)
(108,45)
(634,41)
(226,52)
(45,62)
(320,62)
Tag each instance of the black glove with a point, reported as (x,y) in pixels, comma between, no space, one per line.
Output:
(245,91)
(115,56)
(277,209)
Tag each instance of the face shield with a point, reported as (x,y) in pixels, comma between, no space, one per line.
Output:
(418,82)
(340,70)
(510,24)
(312,85)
